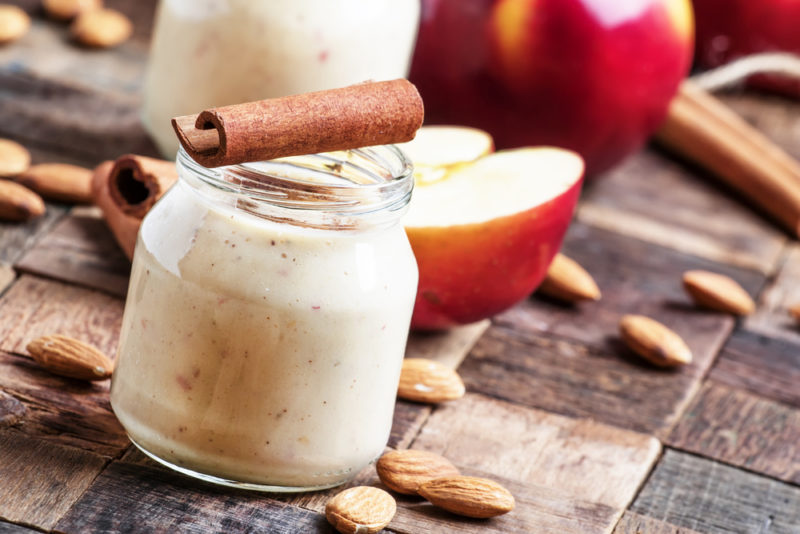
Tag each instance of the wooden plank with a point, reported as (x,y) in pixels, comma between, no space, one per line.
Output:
(653,198)
(138,498)
(568,377)
(7,276)
(635,277)
(633,523)
(11,528)
(709,497)
(771,316)
(448,347)
(12,410)
(83,122)
(41,480)
(61,410)
(16,238)
(766,366)
(742,429)
(41,307)
(80,250)
(408,419)
(590,461)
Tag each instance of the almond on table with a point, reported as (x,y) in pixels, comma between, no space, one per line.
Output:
(653,341)
(59,181)
(468,496)
(424,380)
(360,510)
(567,281)
(69,9)
(101,28)
(404,471)
(717,292)
(14,23)
(69,357)
(14,158)
(18,203)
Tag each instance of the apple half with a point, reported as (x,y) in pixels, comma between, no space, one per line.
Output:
(486,231)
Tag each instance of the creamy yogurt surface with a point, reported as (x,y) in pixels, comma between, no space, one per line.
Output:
(208,53)
(259,351)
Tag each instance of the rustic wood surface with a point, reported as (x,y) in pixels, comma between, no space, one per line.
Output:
(588,438)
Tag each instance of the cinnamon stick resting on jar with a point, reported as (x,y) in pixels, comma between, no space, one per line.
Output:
(126,189)
(367,114)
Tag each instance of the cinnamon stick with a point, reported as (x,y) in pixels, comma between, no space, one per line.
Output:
(123,227)
(136,182)
(366,114)
(706,131)
(126,189)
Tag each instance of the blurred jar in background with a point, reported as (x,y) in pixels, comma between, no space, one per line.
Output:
(208,53)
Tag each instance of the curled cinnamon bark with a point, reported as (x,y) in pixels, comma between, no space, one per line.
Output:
(126,189)
(366,114)
(136,182)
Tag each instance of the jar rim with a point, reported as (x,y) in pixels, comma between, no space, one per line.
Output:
(351,182)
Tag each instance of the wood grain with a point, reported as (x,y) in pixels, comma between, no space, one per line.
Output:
(766,366)
(7,276)
(635,277)
(568,377)
(62,410)
(408,419)
(709,497)
(633,523)
(16,238)
(448,347)
(80,250)
(11,528)
(653,198)
(772,317)
(41,480)
(590,461)
(139,498)
(743,430)
(41,307)
(12,410)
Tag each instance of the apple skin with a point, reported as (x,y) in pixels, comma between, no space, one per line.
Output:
(593,76)
(728,29)
(473,271)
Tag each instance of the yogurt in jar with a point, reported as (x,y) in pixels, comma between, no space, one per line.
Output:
(208,53)
(259,351)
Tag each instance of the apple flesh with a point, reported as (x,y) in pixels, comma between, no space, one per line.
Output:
(728,29)
(485,234)
(437,150)
(593,76)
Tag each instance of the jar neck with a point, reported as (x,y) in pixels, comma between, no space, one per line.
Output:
(348,190)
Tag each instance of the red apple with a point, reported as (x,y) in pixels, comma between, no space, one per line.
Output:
(593,76)
(728,29)
(485,233)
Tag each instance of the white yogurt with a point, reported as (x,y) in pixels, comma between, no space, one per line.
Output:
(219,52)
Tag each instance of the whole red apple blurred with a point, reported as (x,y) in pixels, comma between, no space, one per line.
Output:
(727,29)
(594,76)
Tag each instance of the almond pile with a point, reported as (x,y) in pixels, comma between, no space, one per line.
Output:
(413,472)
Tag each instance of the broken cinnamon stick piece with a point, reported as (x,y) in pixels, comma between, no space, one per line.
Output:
(367,114)
(136,182)
(124,227)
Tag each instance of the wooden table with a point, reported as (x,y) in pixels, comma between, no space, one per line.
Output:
(587,437)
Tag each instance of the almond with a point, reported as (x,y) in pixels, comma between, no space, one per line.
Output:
(794,311)
(653,341)
(404,471)
(14,23)
(101,28)
(468,496)
(18,203)
(717,292)
(14,158)
(567,281)
(66,356)
(360,510)
(69,9)
(423,380)
(59,181)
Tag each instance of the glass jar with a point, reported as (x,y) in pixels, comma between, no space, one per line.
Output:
(208,53)
(266,319)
